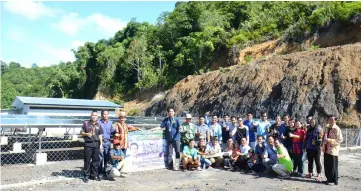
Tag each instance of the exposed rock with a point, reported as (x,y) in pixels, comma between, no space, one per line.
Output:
(320,83)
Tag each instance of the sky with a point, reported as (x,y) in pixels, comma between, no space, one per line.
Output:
(45,32)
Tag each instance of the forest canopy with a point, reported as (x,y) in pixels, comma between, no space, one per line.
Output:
(143,56)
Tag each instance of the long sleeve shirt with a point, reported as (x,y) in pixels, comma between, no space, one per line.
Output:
(334,135)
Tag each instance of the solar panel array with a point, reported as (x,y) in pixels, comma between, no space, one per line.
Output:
(33,120)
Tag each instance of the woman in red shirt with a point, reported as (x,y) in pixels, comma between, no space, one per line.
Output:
(298,137)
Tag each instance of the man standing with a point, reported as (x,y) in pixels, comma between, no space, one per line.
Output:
(263,126)
(215,129)
(274,130)
(331,148)
(225,124)
(188,131)
(202,130)
(252,130)
(92,133)
(171,126)
(108,131)
(283,128)
(122,132)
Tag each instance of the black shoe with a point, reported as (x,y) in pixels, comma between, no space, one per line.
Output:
(98,178)
(86,179)
(91,177)
(336,182)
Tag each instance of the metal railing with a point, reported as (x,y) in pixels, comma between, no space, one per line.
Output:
(351,137)
(44,153)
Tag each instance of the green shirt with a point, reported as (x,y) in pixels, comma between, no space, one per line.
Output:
(286,161)
(190,152)
(189,132)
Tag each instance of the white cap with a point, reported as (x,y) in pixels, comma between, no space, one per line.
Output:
(188,116)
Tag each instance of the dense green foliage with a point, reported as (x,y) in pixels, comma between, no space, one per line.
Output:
(183,42)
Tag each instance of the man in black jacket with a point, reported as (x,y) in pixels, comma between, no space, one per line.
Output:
(92,133)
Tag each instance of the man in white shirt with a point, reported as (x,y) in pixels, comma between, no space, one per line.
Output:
(244,155)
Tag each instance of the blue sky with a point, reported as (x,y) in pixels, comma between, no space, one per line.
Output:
(45,32)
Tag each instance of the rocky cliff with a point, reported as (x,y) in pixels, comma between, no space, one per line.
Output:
(319,83)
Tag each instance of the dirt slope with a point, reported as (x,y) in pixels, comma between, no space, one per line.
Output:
(321,82)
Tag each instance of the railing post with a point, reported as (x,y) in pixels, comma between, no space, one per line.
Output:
(40,141)
(346,137)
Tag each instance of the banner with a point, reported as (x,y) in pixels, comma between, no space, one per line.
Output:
(147,150)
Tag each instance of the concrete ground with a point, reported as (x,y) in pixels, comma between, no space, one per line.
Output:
(55,177)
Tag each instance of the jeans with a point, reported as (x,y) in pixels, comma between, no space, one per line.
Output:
(206,162)
(170,146)
(104,157)
(268,163)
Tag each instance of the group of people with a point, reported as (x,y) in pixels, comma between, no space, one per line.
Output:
(250,145)
(99,135)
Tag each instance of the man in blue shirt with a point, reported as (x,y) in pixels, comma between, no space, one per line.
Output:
(215,129)
(171,126)
(270,154)
(120,165)
(263,126)
(252,130)
(108,131)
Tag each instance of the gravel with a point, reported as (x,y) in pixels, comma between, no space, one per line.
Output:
(218,180)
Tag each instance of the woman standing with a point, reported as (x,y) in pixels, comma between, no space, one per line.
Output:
(298,136)
(241,132)
(331,148)
(312,144)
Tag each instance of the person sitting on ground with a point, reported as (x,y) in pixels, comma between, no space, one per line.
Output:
(285,165)
(255,163)
(202,145)
(227,153)
(120,165)
(270,154)
(233,161)
(243,156)
(190,157)
(215,153)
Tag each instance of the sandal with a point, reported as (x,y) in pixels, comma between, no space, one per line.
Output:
(308,176)
(318,178)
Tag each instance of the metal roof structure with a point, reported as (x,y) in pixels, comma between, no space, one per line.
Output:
(58,121)
(20,101)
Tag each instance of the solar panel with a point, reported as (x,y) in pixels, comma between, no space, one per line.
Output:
(70,121)
(40,121)
(13,121)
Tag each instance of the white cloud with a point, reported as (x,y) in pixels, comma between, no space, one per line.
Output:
(72,24)
(76,44)
(30,9)
(58,54)
(17,36)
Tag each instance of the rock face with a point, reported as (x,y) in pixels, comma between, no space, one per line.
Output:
(319,83)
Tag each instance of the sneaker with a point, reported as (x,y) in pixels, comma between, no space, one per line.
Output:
(98,178)
(86,179)
(308,176)
(199,169)
(124,175)
(210,167)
